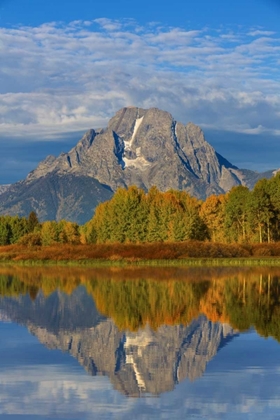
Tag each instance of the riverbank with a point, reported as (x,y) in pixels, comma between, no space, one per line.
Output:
(193,253)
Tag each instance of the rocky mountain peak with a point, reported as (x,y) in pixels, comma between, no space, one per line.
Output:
(194,131)
(142,147)
(145,147)
(86,140)
(43,168)
(76,155)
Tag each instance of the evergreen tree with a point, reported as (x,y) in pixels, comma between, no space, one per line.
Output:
(32,221)
(5,231)
(18,227)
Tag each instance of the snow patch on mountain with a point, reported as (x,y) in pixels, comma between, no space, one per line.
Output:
(139,162)
(128,144)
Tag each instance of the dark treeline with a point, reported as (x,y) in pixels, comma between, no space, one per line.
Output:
(133,216)
(13,228)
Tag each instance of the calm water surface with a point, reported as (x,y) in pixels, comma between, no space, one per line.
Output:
(139,343)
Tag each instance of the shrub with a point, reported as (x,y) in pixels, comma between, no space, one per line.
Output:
(31,239)
(262,251)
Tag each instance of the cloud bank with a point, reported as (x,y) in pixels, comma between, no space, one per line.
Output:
(59,78)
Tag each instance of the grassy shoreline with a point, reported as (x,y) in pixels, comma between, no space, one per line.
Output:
(155,254)
(190,262)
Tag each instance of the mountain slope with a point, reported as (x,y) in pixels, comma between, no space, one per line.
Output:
(55,197)
(139,147)
(4,188)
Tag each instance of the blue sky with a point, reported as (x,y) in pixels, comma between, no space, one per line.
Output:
(67,66)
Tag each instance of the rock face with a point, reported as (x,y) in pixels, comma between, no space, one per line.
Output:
(55,197)
(139,147)
(137,363)
(4,188)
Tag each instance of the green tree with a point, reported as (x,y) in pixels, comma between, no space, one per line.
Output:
(261,211)
(133,216)
(236,214)
(32,222)
(18,227)
(160,208)
(49,233)
(273,188)
(5,231)
(71,233)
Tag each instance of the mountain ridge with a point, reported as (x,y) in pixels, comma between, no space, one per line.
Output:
(4,188)
(142,147)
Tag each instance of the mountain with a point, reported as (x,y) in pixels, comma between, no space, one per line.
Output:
(139,147)
(137,363)
(4,188)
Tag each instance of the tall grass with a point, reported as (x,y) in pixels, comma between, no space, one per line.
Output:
(181,253)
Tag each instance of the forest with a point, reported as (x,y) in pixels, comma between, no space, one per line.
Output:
(134,216)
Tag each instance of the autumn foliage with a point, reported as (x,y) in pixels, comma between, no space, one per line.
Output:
(228,224)
(136,296)
(241,216)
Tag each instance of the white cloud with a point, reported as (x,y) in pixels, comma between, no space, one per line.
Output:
(258,32)
(59,78)
(53,391)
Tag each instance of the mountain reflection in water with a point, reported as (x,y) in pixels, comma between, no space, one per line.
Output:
(146,329)
(136,362)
